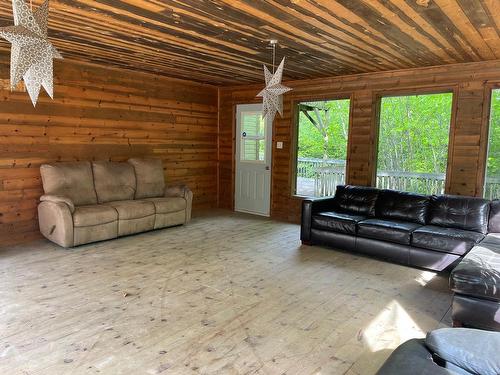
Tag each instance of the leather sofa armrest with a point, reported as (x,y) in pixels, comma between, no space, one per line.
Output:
(412,357)
(184,192)
(58,199)
(309,207)
(472,350)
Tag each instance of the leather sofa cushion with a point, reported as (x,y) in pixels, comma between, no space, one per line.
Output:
(149,176)
(402,206)
(356,199)
(492,239)
(128,210)
(342,222)
(473,351)
(72,180)
(113,181)
(85,216)
(460,212)
(494,222)
(168,204)
(397,231)
(448,240)
(478,274)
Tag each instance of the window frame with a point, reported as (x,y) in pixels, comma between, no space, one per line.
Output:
(295,135)
(430,90)
(484,142)
(255,138)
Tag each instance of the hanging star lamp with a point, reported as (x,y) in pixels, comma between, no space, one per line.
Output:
(31,54)
(272,94)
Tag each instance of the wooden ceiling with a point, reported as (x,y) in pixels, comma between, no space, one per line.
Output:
(224,42)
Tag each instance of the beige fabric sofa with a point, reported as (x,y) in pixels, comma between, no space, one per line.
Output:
(93,201)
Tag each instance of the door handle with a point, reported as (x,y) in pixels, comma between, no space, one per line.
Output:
(267,168)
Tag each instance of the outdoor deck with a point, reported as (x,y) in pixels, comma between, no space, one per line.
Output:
(319,178)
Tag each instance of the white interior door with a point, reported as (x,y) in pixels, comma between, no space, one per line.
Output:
(253,160)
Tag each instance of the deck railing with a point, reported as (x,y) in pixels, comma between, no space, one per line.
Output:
(324,175)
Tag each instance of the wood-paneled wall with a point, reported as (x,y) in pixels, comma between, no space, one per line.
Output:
(469,82)
(103,114)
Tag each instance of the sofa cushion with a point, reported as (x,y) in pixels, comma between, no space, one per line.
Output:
(342,222)
(128,210)
(139,225)
(359,200)
(168,204)
(73,180)
(448,240)
(478,274)
(492,238)
(472,350)
(404,206)
(465,213)
(113,181)
(397,231)
(149,176)
(101,232)
(494,222)
(85,216)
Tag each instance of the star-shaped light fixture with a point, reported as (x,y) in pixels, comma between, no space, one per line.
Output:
(32,54)
(272,94)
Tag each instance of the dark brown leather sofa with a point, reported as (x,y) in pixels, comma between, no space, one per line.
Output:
(476,280)
(431,232)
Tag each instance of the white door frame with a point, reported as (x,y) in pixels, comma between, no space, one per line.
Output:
(262,167)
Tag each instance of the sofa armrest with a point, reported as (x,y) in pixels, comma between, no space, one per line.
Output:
(58,199)
(56,222)
(184,192)
(176,191)
(472,350)
(410,358)
(309,207)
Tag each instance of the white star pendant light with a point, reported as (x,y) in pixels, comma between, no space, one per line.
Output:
(31,54)
(272,94)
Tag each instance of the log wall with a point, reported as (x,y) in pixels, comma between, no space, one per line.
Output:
(113,114)
(103,114)
(470,84)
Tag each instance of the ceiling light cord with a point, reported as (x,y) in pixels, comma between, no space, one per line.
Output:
(274,57)
(273,43)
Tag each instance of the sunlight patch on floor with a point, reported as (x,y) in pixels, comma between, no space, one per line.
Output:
(425,277)
(390,328)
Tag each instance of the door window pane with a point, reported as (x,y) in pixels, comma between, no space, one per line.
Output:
(413,142)
(323,130)
(492,185)
(253,137)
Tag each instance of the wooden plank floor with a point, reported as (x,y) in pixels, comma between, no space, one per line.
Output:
(227,294)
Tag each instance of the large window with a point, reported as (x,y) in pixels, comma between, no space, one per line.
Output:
(413,142)
(321,146)
(492,186)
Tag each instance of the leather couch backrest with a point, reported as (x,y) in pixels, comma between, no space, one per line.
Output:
(73,180)
(113,181)
(149,176)
(494,222)
(357,199)
(400,205)
(460,212)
